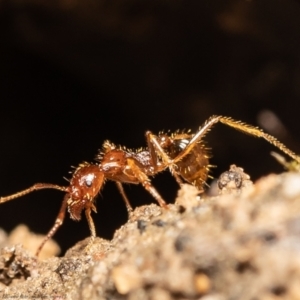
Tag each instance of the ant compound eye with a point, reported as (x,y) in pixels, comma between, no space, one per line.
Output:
(89,180)
(88,183)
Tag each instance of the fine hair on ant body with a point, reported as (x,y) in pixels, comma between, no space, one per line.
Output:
(183,153)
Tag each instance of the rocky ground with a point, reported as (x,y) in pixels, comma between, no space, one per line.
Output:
(242,244)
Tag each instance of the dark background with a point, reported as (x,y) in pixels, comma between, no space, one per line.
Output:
(75,73)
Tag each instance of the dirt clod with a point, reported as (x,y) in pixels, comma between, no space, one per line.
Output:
(235,246)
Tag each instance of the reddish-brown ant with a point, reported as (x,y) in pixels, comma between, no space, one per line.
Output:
(183,153)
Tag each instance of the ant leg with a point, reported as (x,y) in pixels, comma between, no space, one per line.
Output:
(255,131)
(122,192)
(58,222)
(91,226)
(238,125)
(35,187)
(152,144)
(145,181)
(288,165)
(176,176)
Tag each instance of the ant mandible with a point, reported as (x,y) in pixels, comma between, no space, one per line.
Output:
(183,153)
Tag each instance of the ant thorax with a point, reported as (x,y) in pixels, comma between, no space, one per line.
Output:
(116,162)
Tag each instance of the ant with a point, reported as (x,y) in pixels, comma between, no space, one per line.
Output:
(183,153)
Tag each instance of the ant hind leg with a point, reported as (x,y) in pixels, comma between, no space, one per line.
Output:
(238,125)
(167,161)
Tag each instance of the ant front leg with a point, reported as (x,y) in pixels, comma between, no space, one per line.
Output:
(61,214)
(58,222)
(91,226)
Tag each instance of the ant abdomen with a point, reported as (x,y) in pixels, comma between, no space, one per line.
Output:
(194,167)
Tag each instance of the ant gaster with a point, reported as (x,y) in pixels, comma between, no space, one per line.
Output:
(183,153)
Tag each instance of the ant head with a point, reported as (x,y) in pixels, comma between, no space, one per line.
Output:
(85,184)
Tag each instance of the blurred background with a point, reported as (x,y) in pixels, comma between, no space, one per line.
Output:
(75,73)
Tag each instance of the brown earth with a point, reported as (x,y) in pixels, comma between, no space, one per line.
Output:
(240,245)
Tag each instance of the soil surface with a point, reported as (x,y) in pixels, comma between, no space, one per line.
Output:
(242,244)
